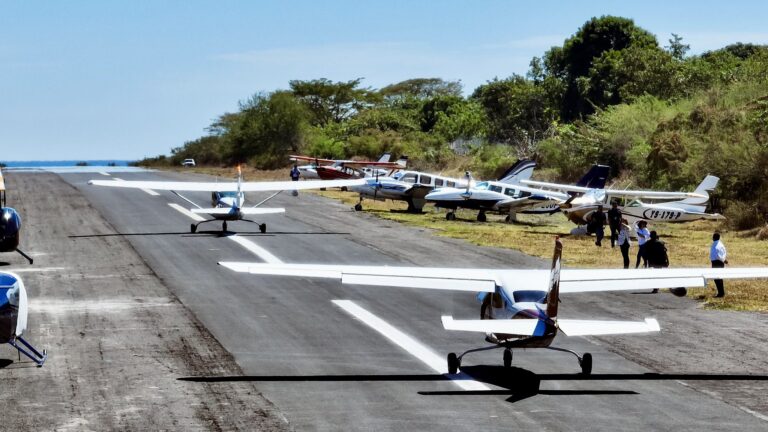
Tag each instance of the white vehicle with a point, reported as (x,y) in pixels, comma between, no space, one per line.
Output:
(519,307)
(13,317)
(229,197)
(188,163)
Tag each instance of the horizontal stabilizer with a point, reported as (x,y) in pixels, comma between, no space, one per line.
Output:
(599,328)
(519,327)
(243,211)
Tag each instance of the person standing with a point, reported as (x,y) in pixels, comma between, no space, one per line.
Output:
(623,241)
(295,174)
(614,222)
(643,235)
(597,222)
(717,254)
(656,253)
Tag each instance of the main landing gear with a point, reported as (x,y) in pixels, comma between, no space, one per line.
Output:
(193,227)
(481,216)
(454,361)
(359,207)
(451,216)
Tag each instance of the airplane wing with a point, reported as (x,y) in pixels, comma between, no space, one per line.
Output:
(557,186)
(229,186)
(244,211)
(311,159)
(486,280)
(647,194)
(535,327)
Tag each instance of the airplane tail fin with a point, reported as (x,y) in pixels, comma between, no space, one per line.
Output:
(553,297)
(708,184)
(403,161)
(595,178)
(385,157)
(521,170)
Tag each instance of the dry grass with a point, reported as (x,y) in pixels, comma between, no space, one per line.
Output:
(688,244)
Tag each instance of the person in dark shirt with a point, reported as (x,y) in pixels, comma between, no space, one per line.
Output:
(656,253)
(614,222)
(597,225)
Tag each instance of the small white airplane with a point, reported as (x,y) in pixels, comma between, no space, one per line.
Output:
(690,207)
(228,198)
(519,308)
(413,187)
(13,317)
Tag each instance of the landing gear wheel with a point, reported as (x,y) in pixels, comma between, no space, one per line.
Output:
(263,228)
(481,217)
(224,226)
(192,228)
(507,358)
(507,219)
(450,216)
(586,364)
(358,207)
(453,364)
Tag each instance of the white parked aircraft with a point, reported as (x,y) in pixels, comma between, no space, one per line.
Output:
(13,317)
(228,198)
(413,186)
(690,207)
(518,307)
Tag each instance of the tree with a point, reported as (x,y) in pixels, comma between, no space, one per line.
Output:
(676,47)
(573,62)
(329,101)
(422,88)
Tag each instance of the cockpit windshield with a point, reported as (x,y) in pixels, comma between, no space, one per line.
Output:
(481,186)
(532,296)
(228,194)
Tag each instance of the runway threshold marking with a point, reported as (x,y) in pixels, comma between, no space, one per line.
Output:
(252,247)
(414,347)
(148,191)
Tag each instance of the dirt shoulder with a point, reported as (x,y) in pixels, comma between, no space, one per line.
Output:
(117,339)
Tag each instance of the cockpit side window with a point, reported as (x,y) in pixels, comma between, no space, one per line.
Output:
(494,188)
(451,184)
(425,180)
(438,182)
(409,178)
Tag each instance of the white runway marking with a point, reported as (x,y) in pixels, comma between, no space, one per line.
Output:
(148,191)
(252,247)
(32,269)
(414,347)
(105,173)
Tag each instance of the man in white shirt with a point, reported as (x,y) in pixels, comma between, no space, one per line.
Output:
(717,255)
(643,235)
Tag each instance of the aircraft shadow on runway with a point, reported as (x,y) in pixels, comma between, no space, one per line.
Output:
(216,233)
(517,383)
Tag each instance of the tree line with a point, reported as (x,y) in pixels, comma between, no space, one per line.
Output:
(610,94)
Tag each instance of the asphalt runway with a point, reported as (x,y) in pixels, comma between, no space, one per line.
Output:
(332,357)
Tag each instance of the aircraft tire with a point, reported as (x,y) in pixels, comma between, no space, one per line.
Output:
(224,226)
(586,364)
(481,217)
(507,358)
(263,228)
(192,228)
(358,207)
(453,364)
(450,216)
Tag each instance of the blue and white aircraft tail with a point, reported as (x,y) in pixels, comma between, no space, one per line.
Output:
(521,170)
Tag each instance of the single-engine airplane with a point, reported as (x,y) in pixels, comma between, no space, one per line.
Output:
(10,226)
(310,171)
(228,198)
(519,308)
(13,317)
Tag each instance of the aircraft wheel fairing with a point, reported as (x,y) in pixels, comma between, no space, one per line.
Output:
(586,364)
(507,358)
(263,228)
(453,363)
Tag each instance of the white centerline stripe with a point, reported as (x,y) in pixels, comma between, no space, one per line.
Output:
(252,247)
(149,191)
(414,347)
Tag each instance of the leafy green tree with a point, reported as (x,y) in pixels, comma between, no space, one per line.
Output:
(330,101)
(676,47)
(422,88)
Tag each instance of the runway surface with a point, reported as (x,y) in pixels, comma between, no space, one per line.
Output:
(332,357)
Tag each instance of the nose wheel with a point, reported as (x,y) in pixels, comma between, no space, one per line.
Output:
(454,363)
(358,207)
(586,364)
(507,358)
(263,228)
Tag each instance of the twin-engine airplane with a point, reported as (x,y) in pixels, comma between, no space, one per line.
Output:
(519,308)
(10,226)
(13,317)
(413,186)
(508,195)
(228,198)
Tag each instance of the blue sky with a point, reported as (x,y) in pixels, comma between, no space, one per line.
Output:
(107,79)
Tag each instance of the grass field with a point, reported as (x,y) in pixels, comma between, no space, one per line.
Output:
(688,244)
